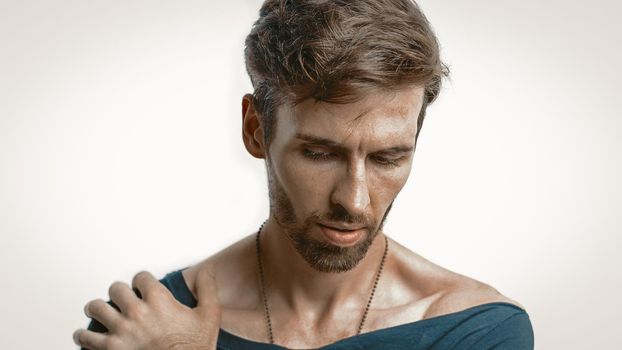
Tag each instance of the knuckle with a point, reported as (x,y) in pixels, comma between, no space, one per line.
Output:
(141,276)
(94,307)
(88,308)
(83,339)
(121,328)
(115,287)
(157,292)
(135,311)
(160,298)
(76,336)
(114,343)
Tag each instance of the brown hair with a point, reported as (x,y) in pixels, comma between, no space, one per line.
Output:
(339,50)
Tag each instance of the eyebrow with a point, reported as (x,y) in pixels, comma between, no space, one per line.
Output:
(336,145)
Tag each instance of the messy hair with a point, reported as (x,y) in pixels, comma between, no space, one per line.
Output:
(338,51)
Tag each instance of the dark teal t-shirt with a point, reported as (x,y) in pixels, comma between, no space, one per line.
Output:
(498,326)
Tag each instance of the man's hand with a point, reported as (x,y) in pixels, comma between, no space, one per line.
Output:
(155,320)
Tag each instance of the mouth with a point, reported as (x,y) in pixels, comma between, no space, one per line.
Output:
(341,235)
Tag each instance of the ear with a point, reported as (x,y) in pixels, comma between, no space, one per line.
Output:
(252,130)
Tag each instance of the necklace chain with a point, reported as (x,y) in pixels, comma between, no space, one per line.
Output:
(265,298)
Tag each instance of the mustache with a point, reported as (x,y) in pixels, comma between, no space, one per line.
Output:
(340,214)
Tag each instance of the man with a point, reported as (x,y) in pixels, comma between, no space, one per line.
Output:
(341,90)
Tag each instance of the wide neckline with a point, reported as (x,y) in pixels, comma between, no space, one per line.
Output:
(417,323)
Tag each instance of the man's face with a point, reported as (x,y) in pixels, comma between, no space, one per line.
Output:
(334,171)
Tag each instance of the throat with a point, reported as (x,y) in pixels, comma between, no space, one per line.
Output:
(308,305)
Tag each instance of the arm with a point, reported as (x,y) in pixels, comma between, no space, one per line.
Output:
(514,333)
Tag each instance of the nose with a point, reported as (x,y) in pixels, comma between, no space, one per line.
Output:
(351,191)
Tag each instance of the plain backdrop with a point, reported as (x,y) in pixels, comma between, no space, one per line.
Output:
(120,150)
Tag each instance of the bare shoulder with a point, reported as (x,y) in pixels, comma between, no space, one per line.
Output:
(445,291)
(234,270)
(465,294)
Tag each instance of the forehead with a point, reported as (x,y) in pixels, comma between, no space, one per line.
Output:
(378,118)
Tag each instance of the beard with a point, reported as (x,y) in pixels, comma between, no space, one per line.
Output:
(321,256)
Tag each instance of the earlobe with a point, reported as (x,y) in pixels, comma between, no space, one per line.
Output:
(252,130)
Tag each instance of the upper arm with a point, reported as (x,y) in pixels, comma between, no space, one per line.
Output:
(514,333)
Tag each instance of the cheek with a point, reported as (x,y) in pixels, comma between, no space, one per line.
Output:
(308,186)
(384,187)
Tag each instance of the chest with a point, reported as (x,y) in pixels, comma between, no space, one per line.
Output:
(294,333)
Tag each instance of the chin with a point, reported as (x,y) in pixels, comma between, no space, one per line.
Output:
(330,258)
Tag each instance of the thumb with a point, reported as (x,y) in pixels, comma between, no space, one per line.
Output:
(207,291)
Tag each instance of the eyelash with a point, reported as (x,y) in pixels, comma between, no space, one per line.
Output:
(322,156)
(317,156)
(391,163)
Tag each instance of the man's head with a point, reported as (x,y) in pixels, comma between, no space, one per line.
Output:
(339,51)
(341,89)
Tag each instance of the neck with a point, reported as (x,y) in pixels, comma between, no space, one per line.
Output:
(293,286)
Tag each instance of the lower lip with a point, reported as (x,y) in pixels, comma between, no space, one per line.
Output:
(342,238)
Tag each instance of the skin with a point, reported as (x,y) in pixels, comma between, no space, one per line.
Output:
(337,165)
(318,308)
(149,317)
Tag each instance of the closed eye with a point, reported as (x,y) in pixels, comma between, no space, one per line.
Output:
(388,161)
(318,155)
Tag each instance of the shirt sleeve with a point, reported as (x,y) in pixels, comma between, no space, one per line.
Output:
(514,333)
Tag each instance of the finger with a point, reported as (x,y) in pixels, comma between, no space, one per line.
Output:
(102,312)
(123,296)
(89,340)
(207,292)
(148,286)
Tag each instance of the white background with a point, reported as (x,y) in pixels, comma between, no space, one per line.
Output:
(120,151)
